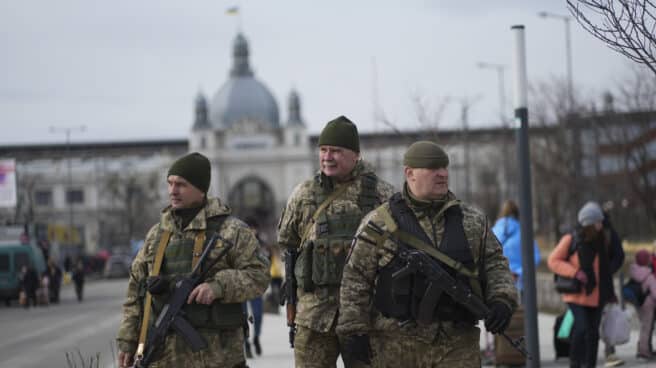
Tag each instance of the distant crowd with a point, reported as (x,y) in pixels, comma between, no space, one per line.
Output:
(44,289)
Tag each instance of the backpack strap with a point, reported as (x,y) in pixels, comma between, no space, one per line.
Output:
(573,245)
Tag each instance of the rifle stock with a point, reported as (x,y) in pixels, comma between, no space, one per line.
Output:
(290,293)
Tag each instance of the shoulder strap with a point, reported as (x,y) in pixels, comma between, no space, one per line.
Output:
(572,245)
(414,240)
(368,198)
(336,193)
(212,224)
(159,256)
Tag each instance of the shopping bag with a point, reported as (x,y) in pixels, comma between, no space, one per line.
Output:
(566,325)
(615,328)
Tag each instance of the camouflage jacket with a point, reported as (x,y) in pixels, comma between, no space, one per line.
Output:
(317,310)
(357,314)
(241,275)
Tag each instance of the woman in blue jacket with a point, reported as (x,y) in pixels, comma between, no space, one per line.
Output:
(508,231)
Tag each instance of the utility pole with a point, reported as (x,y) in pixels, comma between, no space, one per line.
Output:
(526,207)
(68,131)
(568,55)
(464,118)
(500,70)
(466,154)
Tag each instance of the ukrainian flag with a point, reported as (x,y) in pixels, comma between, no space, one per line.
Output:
(234,10)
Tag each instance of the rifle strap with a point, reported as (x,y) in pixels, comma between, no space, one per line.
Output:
(198,248)
(336,193)
(159,256)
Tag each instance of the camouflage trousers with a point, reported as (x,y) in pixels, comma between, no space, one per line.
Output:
(460,349)
(225,350)
(313,349)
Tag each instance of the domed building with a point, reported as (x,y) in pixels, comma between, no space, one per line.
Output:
(256,159)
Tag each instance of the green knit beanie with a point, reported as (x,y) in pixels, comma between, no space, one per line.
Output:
(425,154)
(194,168)
(340,132)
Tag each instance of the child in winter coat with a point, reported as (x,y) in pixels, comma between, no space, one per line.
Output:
(641,272)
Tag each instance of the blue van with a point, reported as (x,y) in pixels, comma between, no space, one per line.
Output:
(13,255)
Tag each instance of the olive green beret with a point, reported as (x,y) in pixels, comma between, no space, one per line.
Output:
(340,132)
(425,154)
(194,168)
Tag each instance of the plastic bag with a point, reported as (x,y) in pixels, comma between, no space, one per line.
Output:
(566,325)
(615,328)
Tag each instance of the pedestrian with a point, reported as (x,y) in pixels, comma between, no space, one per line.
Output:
(42,293)
(255,303)
(54,274)
(78,279)
(616,255)
(29,284)
(214,307)
(641,272)
(68,263)
(507,229)
(387,310)
(276,271)
(316,230)
(585,255)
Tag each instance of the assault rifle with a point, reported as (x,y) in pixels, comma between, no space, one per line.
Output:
(289,290)
(172,315)
(440,281)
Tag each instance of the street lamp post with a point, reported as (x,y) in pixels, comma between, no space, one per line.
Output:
(568,53)
(500,69)
(526,206)
(68,131)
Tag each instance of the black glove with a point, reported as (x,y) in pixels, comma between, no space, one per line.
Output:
(357,347)
(498,319)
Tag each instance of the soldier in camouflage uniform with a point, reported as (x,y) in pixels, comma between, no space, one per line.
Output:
(214,306)
(317,241)
(373,303)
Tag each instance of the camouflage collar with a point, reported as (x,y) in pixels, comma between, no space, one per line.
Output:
(213,207)
(428,208)
(361,167)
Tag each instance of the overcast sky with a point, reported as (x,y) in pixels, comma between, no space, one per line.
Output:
(130,70)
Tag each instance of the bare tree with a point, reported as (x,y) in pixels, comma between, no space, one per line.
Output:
(556,155)
(627,128)
(428,111)
(133,196)
(25,199)
(626,26)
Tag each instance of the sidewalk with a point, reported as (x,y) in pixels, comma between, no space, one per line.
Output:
(277,353)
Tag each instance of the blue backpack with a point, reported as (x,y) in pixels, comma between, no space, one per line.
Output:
(632,293)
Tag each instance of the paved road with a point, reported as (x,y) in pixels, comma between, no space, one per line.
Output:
(41,337)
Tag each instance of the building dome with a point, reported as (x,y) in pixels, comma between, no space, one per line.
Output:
(243,97)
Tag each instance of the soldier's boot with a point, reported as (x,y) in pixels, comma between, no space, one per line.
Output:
(256,343)
(247,349)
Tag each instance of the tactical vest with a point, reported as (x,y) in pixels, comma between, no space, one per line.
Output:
(177,262)
(400,298)
(321,261)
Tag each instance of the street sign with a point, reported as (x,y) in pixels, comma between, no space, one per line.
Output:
(8,183)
